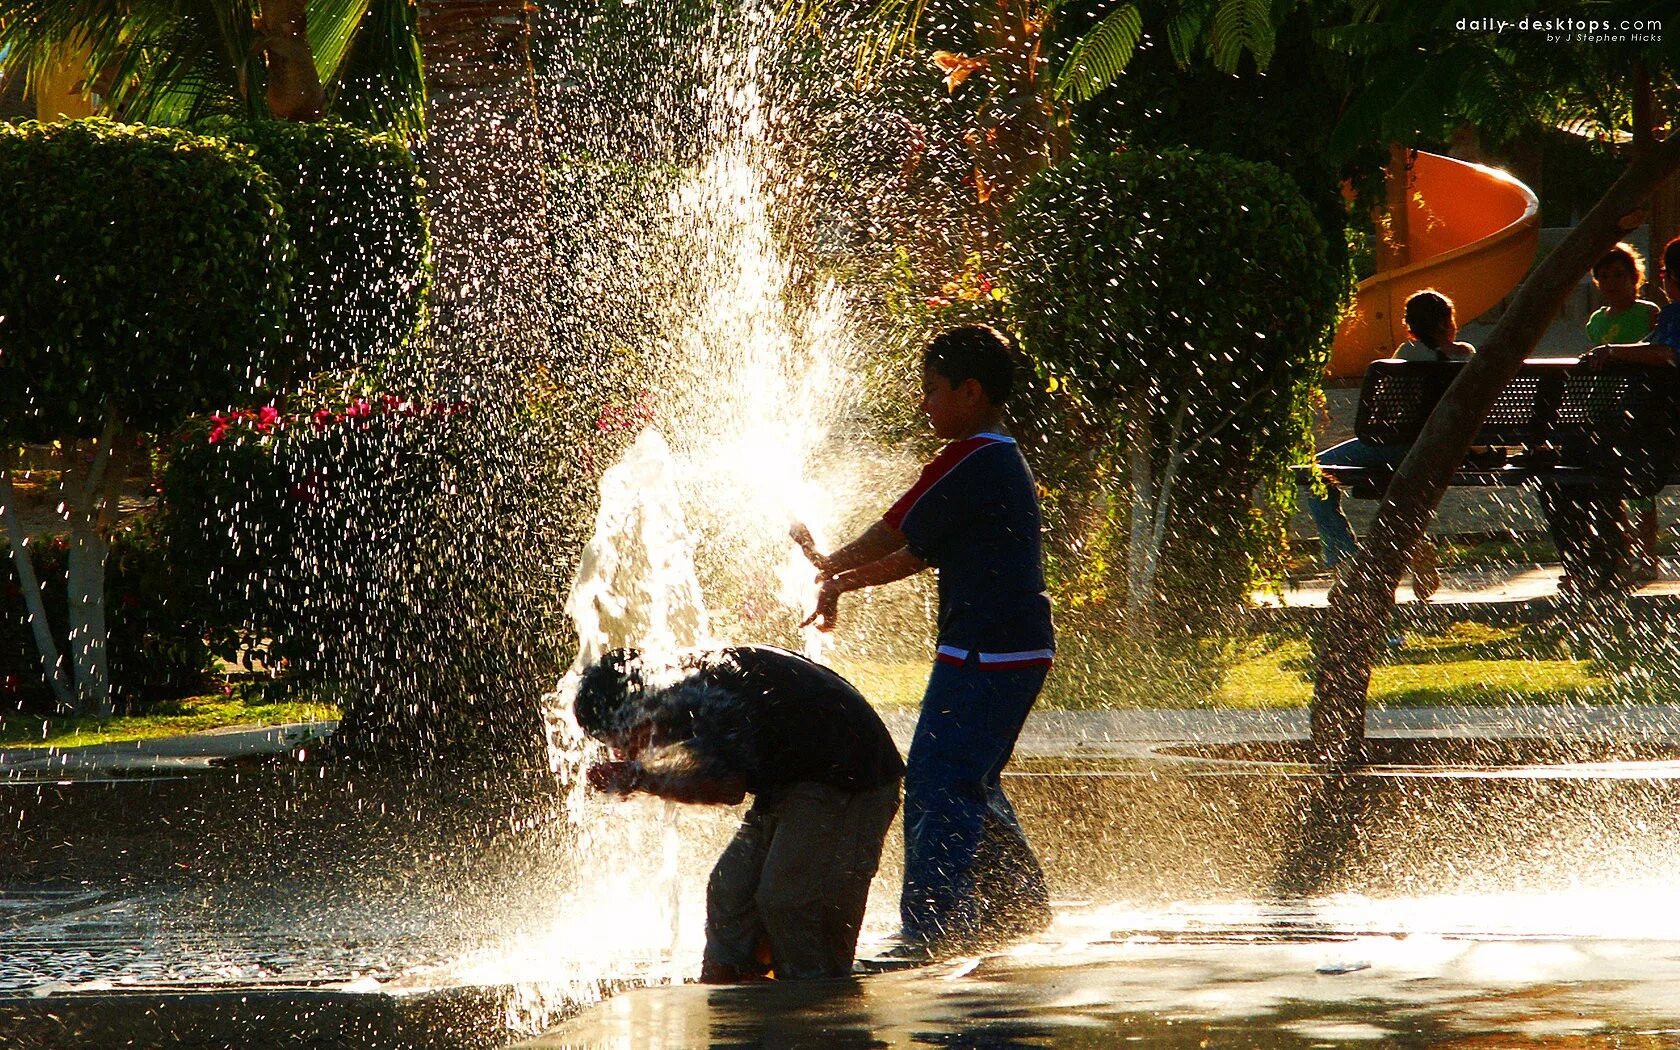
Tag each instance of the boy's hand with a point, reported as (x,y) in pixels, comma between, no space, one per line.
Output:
(802,536)
(827,613)
(1597,356)
(614,778)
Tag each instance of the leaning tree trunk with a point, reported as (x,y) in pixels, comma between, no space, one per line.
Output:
(52,668)
(1360,608)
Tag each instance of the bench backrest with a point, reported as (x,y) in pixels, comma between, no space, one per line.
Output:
(1617,422)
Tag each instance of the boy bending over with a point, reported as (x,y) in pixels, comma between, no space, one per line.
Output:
(787,896)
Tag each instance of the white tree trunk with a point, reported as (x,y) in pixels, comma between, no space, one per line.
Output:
(89,501)
(52,668)
(88,635)
(1152,495)
(1177,453)
(1140,461)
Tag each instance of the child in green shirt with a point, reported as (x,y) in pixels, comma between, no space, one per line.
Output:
(1626,318)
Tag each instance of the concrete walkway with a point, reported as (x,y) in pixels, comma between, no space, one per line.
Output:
(1109,733)
(1472,586)
(190,751)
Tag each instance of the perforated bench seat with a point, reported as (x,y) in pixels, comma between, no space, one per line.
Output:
(1613,429)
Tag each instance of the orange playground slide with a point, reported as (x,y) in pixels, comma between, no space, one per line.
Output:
(1472,232)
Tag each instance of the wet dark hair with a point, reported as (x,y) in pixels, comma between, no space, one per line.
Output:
(974,351)
(1426,312)
(1671,259)
(1623,254)
(607,693)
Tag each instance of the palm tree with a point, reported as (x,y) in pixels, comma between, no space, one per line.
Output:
(483,162)
(173,61)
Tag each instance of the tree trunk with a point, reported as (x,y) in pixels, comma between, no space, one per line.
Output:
(1360,608)
(52,667)
(484,176)
(86,606)
(1140,454)
(294,85)
(90,501)
(1663,212)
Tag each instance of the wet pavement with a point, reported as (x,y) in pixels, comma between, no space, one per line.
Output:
(1207,982)
(1237,902)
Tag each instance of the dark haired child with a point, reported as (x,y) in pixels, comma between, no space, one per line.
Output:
(1657,344)
(1434,328)
(1625,318)
(1662,345)
(973,514)
(788,894)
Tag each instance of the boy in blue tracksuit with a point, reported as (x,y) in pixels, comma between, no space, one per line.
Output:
(970,875)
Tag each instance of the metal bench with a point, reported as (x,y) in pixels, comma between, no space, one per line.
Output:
(1612,429)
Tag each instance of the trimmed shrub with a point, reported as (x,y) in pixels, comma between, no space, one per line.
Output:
(141,269)
(354,208)
(351,545)
(1184,300)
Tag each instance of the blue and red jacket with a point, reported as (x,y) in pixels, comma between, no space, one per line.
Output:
(973,515)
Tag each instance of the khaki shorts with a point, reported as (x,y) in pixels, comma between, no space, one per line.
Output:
(796,877)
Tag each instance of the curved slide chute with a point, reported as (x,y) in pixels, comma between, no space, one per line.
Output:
(1472,232)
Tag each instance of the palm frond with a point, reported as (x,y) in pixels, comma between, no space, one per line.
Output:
(1242,26)
(886,28)
(893,25)
(1101,55)
(1184,30)
(332,29)
(1367,38)
(381,83)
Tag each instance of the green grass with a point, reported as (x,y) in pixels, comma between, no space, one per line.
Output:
(191,715)
(1464,664)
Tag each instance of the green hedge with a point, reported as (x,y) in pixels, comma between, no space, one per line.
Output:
(1191,281)
(350,545)
(354,207)
(147,268)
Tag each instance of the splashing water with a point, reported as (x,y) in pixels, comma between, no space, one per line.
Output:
(691,534)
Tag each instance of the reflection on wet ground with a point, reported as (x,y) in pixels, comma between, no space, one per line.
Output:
(1224,902)
(1282,977)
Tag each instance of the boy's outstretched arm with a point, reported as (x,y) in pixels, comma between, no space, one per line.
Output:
(874,544)
(895,566)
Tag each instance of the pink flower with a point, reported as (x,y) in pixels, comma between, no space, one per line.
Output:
(267,417)
(218,428)
(362,409)
(323,418)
